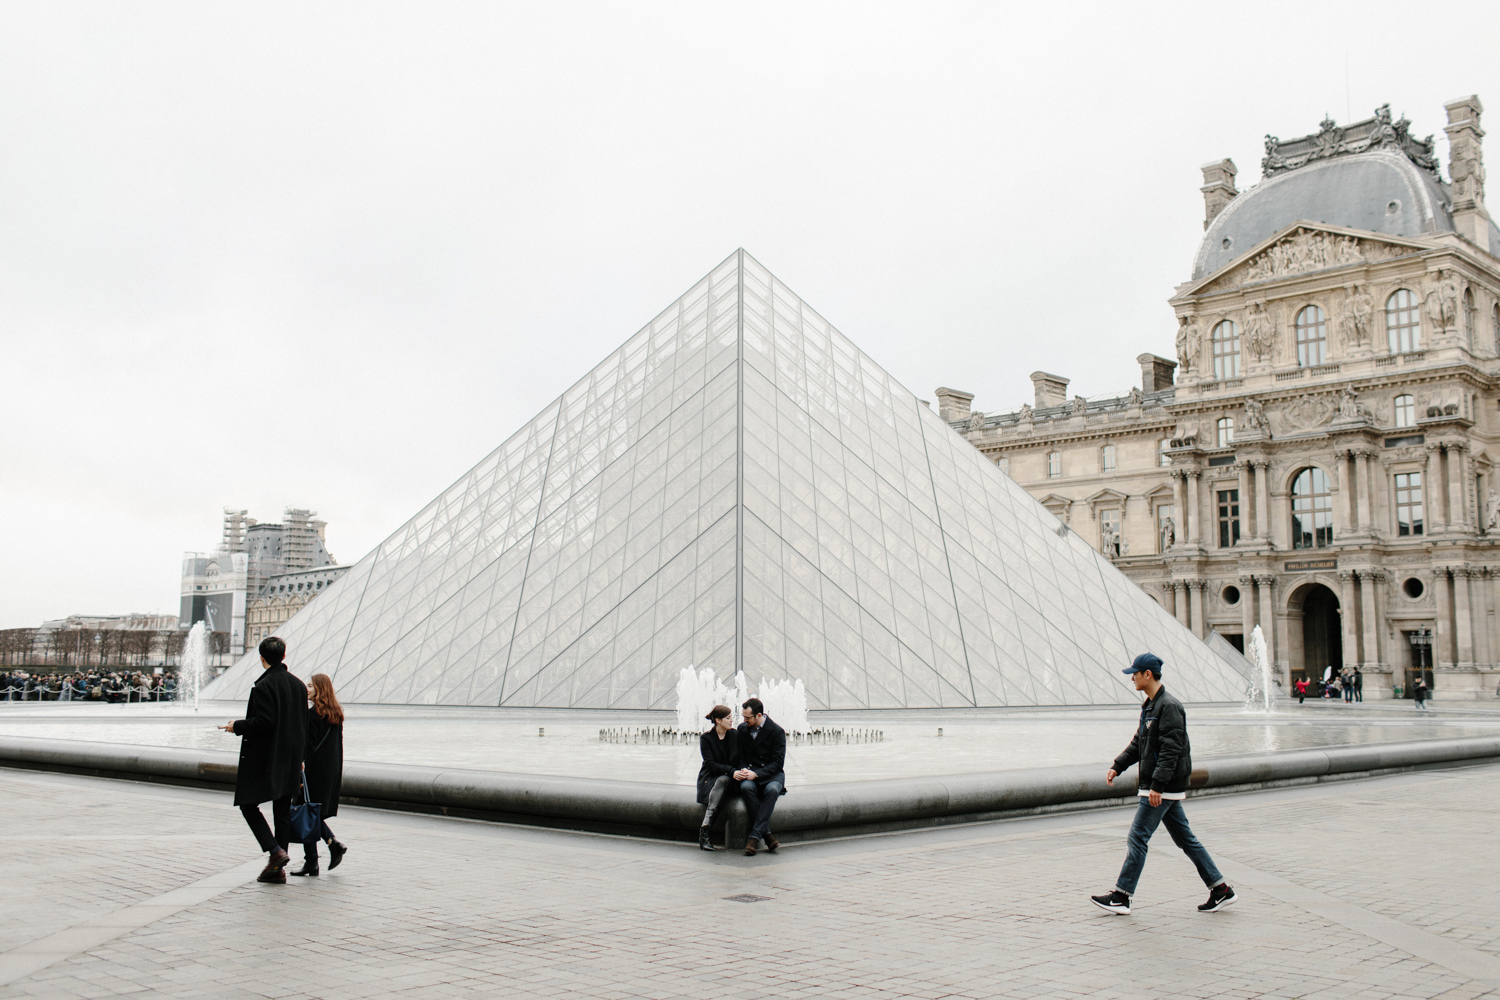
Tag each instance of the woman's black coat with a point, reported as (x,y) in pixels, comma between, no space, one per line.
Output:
(719,757)
(273,731)
(325,761)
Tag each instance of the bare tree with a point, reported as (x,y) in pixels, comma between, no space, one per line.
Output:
(138,643)
(219,645)
(171,645)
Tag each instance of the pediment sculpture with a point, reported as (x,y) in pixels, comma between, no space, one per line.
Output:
(1308,411)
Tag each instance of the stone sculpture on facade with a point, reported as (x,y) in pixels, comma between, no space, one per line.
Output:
(1349,408)
(1260,333)
(976,420)
(1354,322)
(1079,406)
(1331,139)
(1303,251)
(1168,534)
(1187,344)
(1308,411)
(1255,422)
(1023,415)
(1442,301)
(1492,511)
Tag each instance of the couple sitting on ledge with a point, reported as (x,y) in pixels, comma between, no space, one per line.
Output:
(751,758)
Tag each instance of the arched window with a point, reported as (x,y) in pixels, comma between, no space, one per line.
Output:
(1312,510)
(1312,337)
(1226,431)
(1003,464)
(1162,457)
(1406,411)
(1403,322)
(1054,464)
(1107,458)
(1226,340)
(1470,321)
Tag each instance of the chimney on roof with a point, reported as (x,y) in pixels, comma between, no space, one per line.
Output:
(1466,169)
(953,404)
(1156,372)
(1218,188)
(1051,390)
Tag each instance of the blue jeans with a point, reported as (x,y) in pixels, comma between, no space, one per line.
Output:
(1170,814)
(760,799)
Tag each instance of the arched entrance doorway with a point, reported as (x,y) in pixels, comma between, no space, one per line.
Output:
(1322,632)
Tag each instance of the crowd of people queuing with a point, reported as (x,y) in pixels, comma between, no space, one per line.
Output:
(291,745)
(92,685)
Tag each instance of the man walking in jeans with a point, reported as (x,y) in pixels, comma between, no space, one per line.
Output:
(1166,761)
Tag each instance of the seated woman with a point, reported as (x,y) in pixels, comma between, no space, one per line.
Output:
(720,749)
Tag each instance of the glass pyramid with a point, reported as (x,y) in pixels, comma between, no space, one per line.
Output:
(737,487)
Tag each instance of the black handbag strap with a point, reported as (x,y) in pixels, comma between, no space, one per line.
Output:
(306,792)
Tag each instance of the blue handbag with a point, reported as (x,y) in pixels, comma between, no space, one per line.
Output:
(307,815)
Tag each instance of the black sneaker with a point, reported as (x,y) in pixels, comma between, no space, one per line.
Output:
(1114,902)
(1219,897)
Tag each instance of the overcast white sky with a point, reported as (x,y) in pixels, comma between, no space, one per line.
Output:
(330,255)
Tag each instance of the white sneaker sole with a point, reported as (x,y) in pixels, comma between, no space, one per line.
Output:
(1121,910)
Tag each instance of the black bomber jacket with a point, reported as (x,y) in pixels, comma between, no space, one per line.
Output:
(1160,746)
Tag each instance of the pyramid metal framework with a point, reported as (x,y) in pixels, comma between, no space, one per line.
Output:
(737,487)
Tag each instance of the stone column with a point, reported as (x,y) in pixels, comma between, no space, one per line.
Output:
(1457,503)
(1194,519)
(1343,485)
(1362,488)
(1247,607)
(1368,610)
(1179,497)
(1195,593)
(1442,633)
(1479,609)
(1262,503)
(1179,601)
(1463,623)
(1267,612)
(1243,468)
(1432,493)
(1347,619)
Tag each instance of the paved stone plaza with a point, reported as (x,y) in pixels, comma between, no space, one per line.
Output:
(1374,888)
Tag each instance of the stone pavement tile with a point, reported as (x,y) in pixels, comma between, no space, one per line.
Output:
(985,911)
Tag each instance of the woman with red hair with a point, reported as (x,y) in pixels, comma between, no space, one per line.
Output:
(324,767)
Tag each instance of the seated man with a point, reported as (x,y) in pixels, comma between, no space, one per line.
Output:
(762,773)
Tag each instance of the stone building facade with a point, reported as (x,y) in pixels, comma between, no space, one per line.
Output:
(1317,460)
(283,596)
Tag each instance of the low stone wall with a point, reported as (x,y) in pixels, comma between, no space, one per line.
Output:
(808,812)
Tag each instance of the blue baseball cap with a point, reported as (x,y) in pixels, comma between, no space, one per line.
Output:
(1146,661)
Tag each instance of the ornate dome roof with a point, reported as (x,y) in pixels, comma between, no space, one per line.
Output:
(1370,175)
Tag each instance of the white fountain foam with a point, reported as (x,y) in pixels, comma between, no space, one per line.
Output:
(1262,695)
(699,690)
(190,674)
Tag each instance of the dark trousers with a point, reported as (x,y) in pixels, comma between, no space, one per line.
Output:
(310,845)
(281,814)
(760,800)
(1170,815)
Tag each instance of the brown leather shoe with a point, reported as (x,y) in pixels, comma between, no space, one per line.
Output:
(279,859)
(772,843)
(273,875)
(750,847)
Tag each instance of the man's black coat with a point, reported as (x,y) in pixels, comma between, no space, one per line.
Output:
(274,733)
(1160,746)
(325,761)
(765,753)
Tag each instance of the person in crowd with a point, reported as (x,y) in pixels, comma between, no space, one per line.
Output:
(324,770)
(1301,688)
(762,772)
(1161,748)
(1347,683)
(273,735)
(719,748)
(1419,691)
(1359,686)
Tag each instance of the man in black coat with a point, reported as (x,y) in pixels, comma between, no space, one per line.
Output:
(273,732)
(762,773)
(1165,757)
